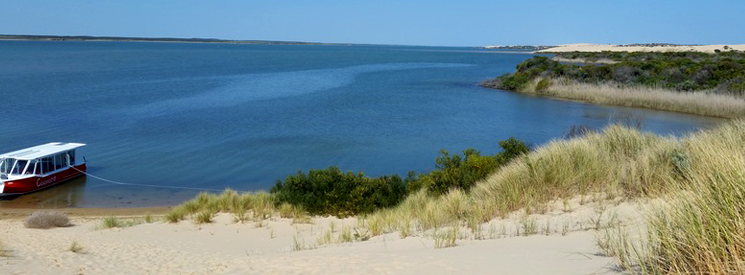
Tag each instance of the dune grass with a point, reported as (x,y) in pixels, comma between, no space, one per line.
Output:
(617,161)
(700,229)
(257,206)
(699,103)
(114,222)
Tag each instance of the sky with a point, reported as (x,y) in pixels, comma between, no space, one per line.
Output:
(402,22)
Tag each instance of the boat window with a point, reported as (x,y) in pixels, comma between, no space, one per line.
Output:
(6,164)
(19,167)
(33,168)
(47,165)
(71,153)
(58,161)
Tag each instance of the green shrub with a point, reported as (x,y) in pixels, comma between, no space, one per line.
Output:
(334,192)
(722,72)
(462,172)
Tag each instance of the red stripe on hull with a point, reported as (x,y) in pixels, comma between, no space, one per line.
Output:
(28,185)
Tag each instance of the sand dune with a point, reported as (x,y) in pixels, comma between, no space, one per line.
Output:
(225,247)
(618,48)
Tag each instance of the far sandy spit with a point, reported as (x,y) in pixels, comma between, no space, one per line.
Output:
(619,48)
(560,241)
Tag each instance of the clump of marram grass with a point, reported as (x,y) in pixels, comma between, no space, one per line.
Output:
(175,215)
(114,222)
(204,217)
(110,222)
(258,206)
(446,239)
(701,228)
(46,219)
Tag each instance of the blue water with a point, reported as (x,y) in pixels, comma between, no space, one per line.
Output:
(244,116)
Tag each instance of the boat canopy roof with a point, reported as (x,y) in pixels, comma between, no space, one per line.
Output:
(42,150)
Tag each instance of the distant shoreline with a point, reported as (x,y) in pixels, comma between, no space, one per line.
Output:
(155,39)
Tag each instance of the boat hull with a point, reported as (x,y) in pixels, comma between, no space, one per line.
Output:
(32,184)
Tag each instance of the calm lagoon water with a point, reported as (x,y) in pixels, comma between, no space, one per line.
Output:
(243,116)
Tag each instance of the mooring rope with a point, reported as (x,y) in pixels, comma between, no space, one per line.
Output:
(144,185)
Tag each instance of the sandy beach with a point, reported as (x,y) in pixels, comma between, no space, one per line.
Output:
(582,47)
(564,242)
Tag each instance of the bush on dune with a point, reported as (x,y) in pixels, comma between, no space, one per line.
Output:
(332,191)
(46,220)
(722,73)
(456,172)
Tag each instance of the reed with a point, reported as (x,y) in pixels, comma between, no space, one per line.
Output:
(700,103)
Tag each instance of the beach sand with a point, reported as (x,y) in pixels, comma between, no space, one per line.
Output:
(277,246)
(618,48)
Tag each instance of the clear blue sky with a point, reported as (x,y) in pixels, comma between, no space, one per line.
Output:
(432,22)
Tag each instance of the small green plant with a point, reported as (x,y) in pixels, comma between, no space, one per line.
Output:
(297,245)
(529,226)
(75,247)
(175,216)
(149,218)
(286,210)
(361,236)
(192,207)
(240,215)
(204,217)
(110,222)
(346,235)
(405,229)
(447,239)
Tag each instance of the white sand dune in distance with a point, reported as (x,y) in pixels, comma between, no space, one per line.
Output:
(585,47)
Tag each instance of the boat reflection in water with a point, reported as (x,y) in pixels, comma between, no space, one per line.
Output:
(67,194)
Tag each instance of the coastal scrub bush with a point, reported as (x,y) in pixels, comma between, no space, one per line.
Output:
(462,172)
(46,219)
(334,192)
(686,72)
